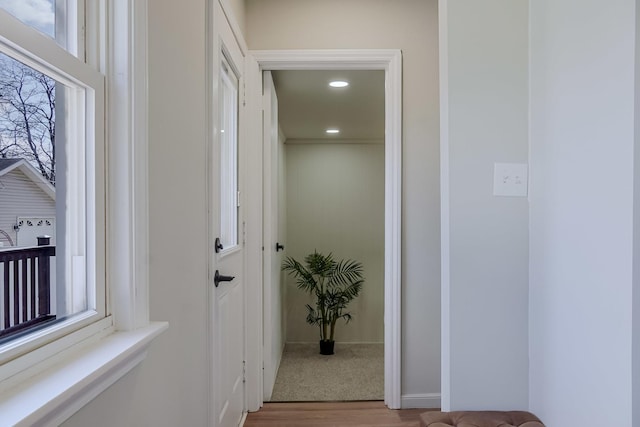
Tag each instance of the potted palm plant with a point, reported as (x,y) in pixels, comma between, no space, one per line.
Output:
(334,284)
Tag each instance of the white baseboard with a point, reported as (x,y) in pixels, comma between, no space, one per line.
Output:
(337,342)
(427,400)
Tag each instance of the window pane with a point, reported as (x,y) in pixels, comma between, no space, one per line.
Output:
(228,157)
(39,14)
(40,281)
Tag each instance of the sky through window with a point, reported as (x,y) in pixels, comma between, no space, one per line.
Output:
(39,14)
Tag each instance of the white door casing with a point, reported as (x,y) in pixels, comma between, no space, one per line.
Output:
(226,222)
(391,62)
(254,245)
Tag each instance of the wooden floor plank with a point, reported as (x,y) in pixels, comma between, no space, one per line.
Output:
(332,414)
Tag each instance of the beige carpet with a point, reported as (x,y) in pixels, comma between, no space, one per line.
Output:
(354,372)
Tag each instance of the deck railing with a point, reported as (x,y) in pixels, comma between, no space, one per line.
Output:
(25,298)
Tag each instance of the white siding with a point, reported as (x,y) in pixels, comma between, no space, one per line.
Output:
(20,196)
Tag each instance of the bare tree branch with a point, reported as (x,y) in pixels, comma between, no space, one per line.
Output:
(27,116)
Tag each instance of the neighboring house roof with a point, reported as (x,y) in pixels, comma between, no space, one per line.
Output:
(7,165)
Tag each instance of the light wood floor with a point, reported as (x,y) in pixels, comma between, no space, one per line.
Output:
(332,414)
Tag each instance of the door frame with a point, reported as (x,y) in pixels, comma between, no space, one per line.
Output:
(390,61)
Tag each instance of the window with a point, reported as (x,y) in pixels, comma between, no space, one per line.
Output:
(229,197)
(52,174)
(100,343)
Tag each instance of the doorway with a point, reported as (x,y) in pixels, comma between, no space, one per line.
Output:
(326,197)
(388,61)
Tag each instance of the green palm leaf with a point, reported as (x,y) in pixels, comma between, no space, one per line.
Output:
(333,284)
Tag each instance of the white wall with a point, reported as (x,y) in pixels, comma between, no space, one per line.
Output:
(485,238)
(238,7)
(335,204)
(582,195)
(410,25)
(170,387)
(635,352)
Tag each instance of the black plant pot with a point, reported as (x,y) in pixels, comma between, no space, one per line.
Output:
(326,347)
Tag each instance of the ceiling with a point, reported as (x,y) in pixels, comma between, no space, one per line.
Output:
(307,106)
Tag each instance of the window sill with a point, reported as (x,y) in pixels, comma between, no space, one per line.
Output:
(52,396)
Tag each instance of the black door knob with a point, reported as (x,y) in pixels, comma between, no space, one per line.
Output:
(217,278)
(217,245)
(279,247)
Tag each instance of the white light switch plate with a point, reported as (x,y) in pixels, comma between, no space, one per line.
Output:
(510,179)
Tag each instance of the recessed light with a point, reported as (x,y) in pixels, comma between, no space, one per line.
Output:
(332,131)
(339,83)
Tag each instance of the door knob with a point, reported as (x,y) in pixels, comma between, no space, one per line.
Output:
(279,247)
(217,245)
(217,278)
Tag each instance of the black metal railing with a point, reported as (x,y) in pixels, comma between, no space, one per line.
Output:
(25,297)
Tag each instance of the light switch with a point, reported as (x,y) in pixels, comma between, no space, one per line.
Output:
(510,179)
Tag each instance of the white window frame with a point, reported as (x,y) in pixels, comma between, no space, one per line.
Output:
(47,385)
(69,32)
(84,214)
(229,200)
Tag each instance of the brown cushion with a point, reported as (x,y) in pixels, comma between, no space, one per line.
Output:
(480,419)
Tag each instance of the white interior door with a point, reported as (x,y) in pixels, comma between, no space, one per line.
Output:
(227,285)
(273,237)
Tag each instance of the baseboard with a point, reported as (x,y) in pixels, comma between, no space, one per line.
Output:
(427,400)
(337,342)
